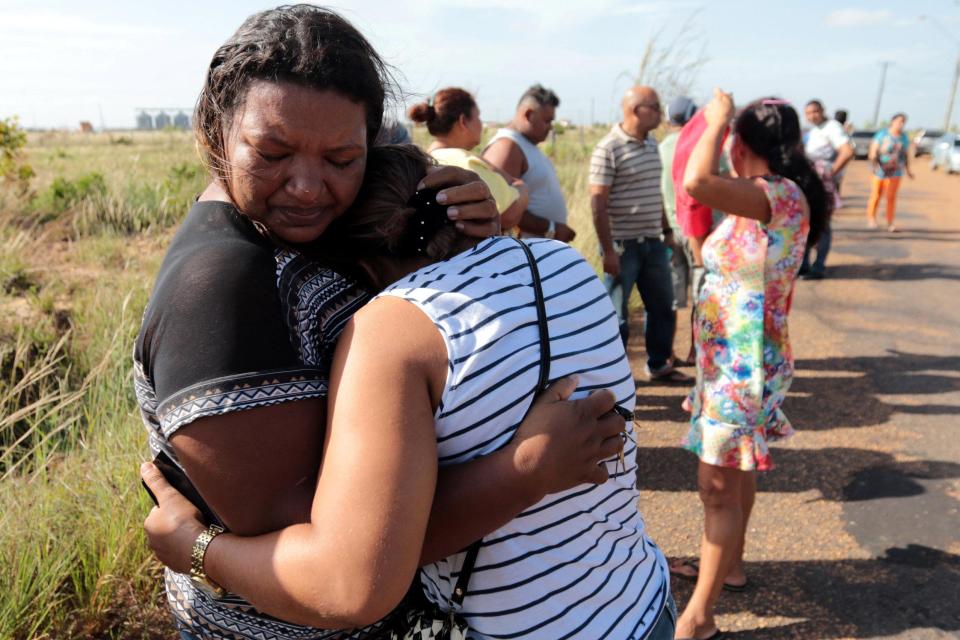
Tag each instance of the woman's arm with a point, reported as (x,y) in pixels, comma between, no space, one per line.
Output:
(701,180)
(356,558)
(253,493)
(510,217)
(910,151)
(873,155)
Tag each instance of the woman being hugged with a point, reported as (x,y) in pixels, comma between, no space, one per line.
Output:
(453,119)
(744,360)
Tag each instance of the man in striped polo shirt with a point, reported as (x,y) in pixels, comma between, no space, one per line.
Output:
(631,225)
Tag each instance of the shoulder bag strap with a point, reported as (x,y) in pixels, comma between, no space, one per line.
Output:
(460,589)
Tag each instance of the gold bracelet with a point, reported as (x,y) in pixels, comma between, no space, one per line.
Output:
(197,554)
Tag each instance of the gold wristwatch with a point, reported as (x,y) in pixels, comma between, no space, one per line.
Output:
(197,576)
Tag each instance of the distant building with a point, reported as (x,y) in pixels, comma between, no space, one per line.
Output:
(86,126)
(161,120)
(181,120)
(144,121)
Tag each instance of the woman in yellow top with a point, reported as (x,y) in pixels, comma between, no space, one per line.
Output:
(453,119)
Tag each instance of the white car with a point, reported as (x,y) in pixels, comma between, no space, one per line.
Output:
(946,153)
(861,140)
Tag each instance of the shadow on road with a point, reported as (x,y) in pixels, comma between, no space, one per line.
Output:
(843,392)
(888,272)
(840,474)
(847,392)
(875,234)
(914,588)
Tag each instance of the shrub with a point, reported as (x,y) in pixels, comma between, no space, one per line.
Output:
(13,168)
(63,194)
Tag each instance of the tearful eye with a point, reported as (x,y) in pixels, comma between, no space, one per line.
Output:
(342,164)
(271,157)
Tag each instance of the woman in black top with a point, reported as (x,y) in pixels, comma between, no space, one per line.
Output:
(232,357)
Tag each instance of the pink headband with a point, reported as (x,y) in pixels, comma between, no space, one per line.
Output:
(775,103)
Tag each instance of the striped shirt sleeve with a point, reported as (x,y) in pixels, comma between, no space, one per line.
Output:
(602,166)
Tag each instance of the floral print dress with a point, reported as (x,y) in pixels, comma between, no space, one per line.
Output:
(744,361)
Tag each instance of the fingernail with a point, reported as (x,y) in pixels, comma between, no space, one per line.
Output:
(441,197)
(422,185)
(144,467)
(453,213)
(460,226)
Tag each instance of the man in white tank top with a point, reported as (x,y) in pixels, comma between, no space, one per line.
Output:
(513,150)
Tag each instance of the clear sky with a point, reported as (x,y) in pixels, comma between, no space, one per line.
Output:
(62,62)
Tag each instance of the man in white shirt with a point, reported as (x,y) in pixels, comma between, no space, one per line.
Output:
(829,148)
(513,150)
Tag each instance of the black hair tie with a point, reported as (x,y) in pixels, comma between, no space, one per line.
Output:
(428,217)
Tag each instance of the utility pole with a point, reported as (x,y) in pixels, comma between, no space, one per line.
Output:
(883,79)
(956,72)
(953,94)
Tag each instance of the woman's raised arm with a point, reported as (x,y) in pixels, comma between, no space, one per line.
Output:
(701,180)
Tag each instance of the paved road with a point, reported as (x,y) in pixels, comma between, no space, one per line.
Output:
(856,533)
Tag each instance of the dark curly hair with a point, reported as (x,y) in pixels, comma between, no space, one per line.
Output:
(303,44)
(771,129)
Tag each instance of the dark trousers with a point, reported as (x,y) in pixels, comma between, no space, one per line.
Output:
(645,264)
(823,249)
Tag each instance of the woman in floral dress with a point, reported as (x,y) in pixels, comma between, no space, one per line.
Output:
(744,361)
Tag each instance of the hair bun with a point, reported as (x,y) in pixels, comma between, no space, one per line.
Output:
(422,112)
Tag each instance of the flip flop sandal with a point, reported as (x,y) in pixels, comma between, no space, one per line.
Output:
(691,563)
(736,588)
(694,564)
(686,362)
(671,376)
(717,635)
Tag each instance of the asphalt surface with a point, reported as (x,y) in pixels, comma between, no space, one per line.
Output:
(856,532)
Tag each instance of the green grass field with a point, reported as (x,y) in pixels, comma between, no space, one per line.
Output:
(78,254)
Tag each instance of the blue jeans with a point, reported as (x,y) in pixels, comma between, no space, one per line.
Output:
(667,624)
(645,264)
(823,249)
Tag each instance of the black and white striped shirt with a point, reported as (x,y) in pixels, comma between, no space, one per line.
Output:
(577,564)
(631,168)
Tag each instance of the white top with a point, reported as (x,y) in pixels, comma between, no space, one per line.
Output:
(825,140)
(546,196)
(578,564)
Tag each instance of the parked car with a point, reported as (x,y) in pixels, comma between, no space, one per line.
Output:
(861,139)
(924,141)
(946,153)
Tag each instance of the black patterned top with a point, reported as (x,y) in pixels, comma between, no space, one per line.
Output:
(234,323)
